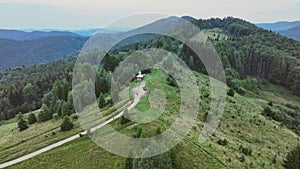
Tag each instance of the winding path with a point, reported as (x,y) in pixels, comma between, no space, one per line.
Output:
(138,93)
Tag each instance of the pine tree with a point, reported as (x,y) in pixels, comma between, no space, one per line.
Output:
(32,118)
(66,124)
(101,101)
(65,109)
(22,124)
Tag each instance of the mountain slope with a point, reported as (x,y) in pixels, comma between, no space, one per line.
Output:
(21,35)
(19,53)
(293,33)
(279,26)
(242,125)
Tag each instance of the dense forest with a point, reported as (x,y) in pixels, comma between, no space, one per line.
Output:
(248,53)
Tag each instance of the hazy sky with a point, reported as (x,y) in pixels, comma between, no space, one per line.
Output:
(75,14)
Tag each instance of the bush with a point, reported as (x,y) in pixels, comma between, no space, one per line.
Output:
(44,114)
(241,91)
(242,159)
(66,124)
(270,103)
(55,116)
(293,159)
(101,102)
(74,116)
(246,150)
(124,119)
(222,142)
(230,92)
(22,124)
(32,118)
(268,112)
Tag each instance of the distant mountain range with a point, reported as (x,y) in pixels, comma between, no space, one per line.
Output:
(27,47)
(21,35)
(18,53)
(82,32)
(288,29)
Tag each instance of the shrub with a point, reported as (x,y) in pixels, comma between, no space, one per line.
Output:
(101,102)
(246,150)
(55,116)
(242,159)
(241,91)
(293,159)
(268,111)
(270,103)
(222,142)
(230,92)
(66,124)
(22,124)
(32,118)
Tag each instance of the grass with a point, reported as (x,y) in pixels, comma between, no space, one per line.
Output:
(78,154)
(242,124)
(15,143)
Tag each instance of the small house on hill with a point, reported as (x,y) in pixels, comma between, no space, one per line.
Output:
(140,76)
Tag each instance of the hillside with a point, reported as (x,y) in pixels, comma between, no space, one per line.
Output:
(21,35)
(293,33)
(259,126)
(242,125)
(279,26)
(19,53)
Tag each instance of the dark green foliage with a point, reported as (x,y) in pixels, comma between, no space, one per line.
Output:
(230,92)
(20,116)
(245,150)
(222,141)
(55,116)
(22,125)
(158,130)
(66,124)
(139,132)
(30,93)
(101,101)
(23,88)
(270,103)
(117,165)
(268,112)
(129,163)
(242,159)
(167,160)
(32,118)
(171,81)
(293,159)
(124,119)
(61,89)
(65,109)
(44,114)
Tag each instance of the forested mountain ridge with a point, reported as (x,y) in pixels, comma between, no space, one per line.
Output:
(245,50)
(18,53)
(292,33)
(254,108)
(257,52)
(279,26)
(21,35)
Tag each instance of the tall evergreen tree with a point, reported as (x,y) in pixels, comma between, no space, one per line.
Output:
(32,118)
(101,101)
(66,124)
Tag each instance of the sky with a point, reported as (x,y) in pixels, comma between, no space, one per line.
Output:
(82,14)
